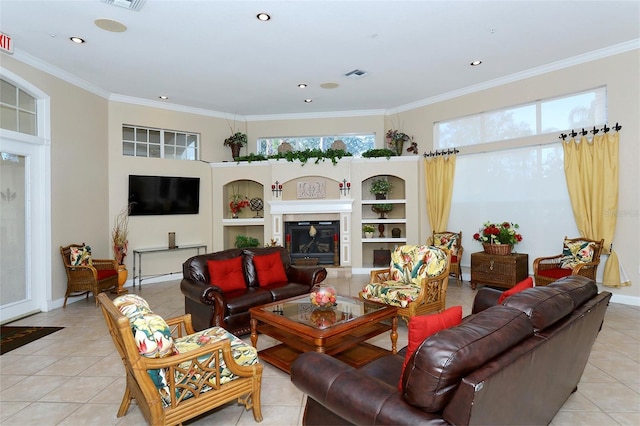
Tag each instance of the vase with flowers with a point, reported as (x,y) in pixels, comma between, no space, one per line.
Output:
(120,245)
(498,238)
(237,202)
(396,140)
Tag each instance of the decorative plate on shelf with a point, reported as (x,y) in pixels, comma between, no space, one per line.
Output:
(256,205)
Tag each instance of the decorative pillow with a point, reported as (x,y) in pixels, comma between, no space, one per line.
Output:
(80,256)
(448,240)
(410,263)
(423,326)
(227,273)
(269,269)
(575,253)
(522,285)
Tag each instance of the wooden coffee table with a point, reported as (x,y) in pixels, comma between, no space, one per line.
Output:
(341,332)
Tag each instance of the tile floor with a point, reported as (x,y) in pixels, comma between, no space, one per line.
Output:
(75,377)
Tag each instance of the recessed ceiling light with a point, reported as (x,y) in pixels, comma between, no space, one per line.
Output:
(302,85)
(308,101)
(163,97)
(76,40)
(263,16)
(329,85)
(475,63)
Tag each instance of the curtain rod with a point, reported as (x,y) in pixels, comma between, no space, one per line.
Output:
(594,131)
(443,152)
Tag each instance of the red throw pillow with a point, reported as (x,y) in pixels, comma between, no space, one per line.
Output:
(522,285)
(269,269)
(423,326)
(227,273)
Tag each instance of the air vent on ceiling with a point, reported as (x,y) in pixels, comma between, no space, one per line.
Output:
(127,4)
(356,74)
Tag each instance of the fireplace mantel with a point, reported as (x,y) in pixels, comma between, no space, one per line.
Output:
(311,206)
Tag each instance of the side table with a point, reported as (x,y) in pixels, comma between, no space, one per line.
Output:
(500,271)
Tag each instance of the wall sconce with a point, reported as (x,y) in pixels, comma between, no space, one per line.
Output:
(276,189)
(345,187)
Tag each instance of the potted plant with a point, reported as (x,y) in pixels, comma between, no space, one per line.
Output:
(243,241)
(236,141)
(380,188)
(498,238)
(396,140)
(382,209)
(120,245)
(368,230)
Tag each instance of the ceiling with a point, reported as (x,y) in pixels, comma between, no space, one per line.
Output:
(216,56)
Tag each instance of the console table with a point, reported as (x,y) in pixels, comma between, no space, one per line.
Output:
(501,271)
(139,252)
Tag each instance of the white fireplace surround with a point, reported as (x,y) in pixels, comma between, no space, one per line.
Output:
(315,210)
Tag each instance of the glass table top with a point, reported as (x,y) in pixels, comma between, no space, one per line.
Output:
(302,311)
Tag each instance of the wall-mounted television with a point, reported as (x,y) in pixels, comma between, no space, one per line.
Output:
(162,195)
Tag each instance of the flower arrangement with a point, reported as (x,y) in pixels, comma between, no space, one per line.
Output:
(119,235)
(237,202)
(498,233)
(237,138)
(396,140)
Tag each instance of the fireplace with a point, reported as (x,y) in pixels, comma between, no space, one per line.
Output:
(313,240)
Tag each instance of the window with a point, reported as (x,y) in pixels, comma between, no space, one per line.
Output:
(17,109)
(356,143)
(576,111)
(159,143)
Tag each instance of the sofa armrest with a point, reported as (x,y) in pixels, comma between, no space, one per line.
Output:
(307,275)
(352,394)
(205,302)
(200,292)
(485,298)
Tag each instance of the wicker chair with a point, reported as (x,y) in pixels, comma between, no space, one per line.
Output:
(451,241)
(200,387)
(571,262)
(419,289)
(100,275)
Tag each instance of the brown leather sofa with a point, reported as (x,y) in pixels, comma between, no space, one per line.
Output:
(209,305)
(514,363)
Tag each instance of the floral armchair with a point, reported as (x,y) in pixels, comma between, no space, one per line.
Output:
(451,241)
(416,280)
(174,373)
(580,256)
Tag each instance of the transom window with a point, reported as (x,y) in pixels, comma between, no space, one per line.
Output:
(159,143)
(17,109)
(576,111)
(356,144)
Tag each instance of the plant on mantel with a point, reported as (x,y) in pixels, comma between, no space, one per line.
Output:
(303,156)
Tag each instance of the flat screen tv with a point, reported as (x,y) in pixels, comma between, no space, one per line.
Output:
(162,195)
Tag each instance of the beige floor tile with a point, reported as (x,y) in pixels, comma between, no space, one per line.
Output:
(93,414)
(611,396)
(8,409)
(42,413)
(582,418)
(69,366)
(626,419)
(77,389)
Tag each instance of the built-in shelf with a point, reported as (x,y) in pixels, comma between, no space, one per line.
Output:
(243,221)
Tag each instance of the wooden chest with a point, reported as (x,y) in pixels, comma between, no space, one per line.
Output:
(500,271)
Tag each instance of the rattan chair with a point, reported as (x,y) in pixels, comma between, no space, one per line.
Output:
(385,285)
(451,241)
(99,276)
(549,269)
(201,391)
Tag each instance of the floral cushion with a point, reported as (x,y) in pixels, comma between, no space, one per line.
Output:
(80,256)
(409,264)
(143,321)
(575,253)
(448,240)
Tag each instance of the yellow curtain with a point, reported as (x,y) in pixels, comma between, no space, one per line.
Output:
(591,170)
(439,173)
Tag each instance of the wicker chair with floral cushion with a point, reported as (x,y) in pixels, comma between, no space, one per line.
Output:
(451,241)
(580,256)
(174,373)
(86,274)
(416,280)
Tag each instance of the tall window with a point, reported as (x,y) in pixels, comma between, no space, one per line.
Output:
(17,109)
(576,111)
(356,143)
(159,143)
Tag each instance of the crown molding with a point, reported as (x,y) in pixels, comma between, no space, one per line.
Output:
(554,66)
(533,72)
